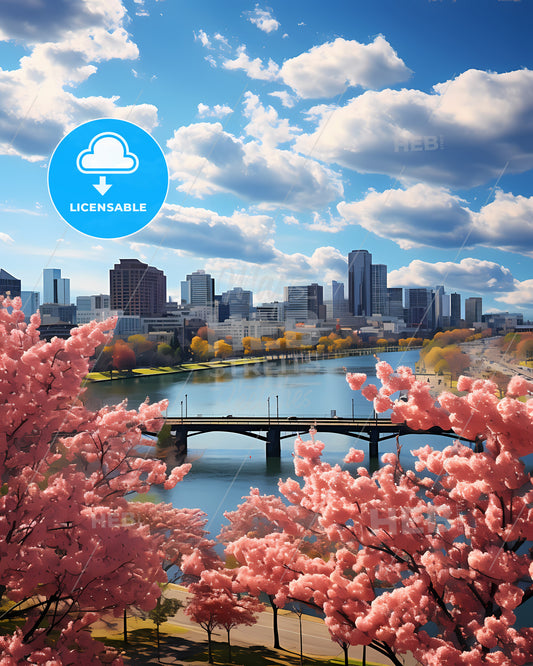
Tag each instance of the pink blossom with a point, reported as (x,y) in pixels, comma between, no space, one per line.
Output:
(355,380)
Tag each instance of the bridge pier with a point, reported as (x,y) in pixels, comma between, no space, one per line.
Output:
(273,447)
(373,448)
(180,434)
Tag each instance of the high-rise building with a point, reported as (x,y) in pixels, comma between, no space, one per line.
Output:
(439,299)
(340,306)
(137,289)
(30,303)
(315,298)
(455,309)
(55,288)
(395,302)
(379,288)
(420,306)
(473,310)
(304,302)
(8,283)
(198,289)
(360,283)
(239,302)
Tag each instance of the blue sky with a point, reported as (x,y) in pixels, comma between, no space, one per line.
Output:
(293,132)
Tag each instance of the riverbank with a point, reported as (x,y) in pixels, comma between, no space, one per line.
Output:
(114,375)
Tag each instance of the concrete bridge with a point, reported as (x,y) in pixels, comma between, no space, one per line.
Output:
(272,430)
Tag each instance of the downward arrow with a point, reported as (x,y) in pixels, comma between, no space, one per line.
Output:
(102,186)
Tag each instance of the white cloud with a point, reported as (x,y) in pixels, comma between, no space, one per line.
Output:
(268,279)
(424,215)
(326,223)
(417,216)
(216,111)
(263,19)
(255,68)
(265,124)
(6,238)
(202,37)
(286,98)
(463,134)
(521,296)
(290,219)
(221,39)
(469,275)
(51,20)
(39,91)
(205,233)
(206,159)
(328,69)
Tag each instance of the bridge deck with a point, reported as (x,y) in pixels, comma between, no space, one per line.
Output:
(372,430)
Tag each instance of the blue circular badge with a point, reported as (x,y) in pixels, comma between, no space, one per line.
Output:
(108,178)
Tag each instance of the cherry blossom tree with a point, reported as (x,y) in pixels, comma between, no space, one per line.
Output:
(216,602)
(259,516)
(68,549)
(432,561)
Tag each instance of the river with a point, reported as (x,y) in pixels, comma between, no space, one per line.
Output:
(225,465)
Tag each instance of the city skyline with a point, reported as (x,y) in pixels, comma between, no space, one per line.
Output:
(413,144)
(132,283)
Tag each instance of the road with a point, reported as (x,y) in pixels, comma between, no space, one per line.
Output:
(487,356)
(316,638)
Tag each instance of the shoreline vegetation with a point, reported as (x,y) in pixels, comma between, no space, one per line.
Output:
(195,366)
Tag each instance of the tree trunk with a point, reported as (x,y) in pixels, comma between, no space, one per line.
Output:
(364,656)
(125,625)
(229,647)
(209,652)
(301,640)
(157,634)
(275,621)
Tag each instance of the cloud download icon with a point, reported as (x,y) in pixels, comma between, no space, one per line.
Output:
(137,187)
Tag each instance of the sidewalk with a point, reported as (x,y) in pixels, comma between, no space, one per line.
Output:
(184,642)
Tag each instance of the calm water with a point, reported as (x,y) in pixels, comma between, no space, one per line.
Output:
(225,465)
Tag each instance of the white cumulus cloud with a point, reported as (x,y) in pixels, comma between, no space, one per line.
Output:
(216,111)
(265,124)
(255,68)
(465,133)
(40,90)
(263,19)
(205,233)
(469,275)
(206,159)
(328,69)
(426,215)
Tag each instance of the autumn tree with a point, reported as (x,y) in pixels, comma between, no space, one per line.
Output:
(68,552)
(222,349)
(123,356)
(251,345)
(144,350)
(199,348)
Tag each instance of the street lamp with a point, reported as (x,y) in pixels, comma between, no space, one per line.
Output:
(277,407)
(268,409)
(181,405)
(185,405)
(353,410)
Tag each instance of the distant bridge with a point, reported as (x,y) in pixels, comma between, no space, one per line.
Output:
(371,430)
